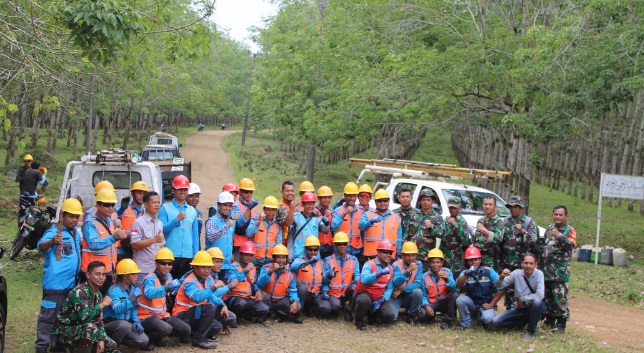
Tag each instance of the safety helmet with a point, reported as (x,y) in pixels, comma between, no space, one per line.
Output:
(41,200)
(43,170)
(247,247)
(385,245)
(225,197)
(409,248)
(202,258)
(230,187)
(247,184)
(280,249)
(309,197)
(435,253)
(340,237)
(164,254)
(325,191)
(28,157)
(194,189)
(140,186)
(307,186)
(181,182)
(365,188)
(311,241)
(271,202)
(127,266)
(472,252)
(72,206)
(106,195)
(101,185)
(351,188)
(381,194)
(216,253)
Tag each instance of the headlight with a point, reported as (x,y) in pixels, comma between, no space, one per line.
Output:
(31,219)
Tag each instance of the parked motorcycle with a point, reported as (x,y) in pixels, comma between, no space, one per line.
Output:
(32,227)
(223,126)
(201,128)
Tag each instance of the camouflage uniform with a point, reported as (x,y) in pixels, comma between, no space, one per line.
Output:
(405,217)
(455,239)
(490,247)
(424,237)
(557,253)
(80,320)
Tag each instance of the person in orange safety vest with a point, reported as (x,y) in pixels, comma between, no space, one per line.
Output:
(341,273)
(279,287)
(439,290)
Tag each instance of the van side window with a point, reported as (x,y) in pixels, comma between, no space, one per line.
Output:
(399,187)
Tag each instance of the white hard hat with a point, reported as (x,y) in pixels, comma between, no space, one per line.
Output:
(225,197)
(194,189)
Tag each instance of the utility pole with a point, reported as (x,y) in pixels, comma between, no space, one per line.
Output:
(90,114)
(250,86)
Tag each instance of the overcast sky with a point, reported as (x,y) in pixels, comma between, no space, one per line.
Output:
(236,16)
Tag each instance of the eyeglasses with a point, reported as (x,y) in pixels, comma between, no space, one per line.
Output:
(108,205)
(312,249)
(246,191)
(165,263)
(382,200)
(386,252)
(341,244)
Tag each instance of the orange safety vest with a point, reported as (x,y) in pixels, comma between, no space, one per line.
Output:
(311,276)
(152,307)
(435,290)
(326,238)
(239,239)
(401,265)
(277,287)
(344,275)
(245,288)
(127,219)
(375,290)
(182,302)
(350,226)
(265,239)
(106,255)
(385,229)
(284,229)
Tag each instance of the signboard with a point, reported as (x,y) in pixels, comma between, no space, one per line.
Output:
(622,186)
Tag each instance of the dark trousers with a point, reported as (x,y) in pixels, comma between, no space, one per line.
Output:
(109,281)
(51,303)
(447,306)
(312,302)
(180,266)
(247,308)
(219,322)
(364,306)
(157,328)
(200,319)
(338,303)
(516,317)
(121,332)
(281,306)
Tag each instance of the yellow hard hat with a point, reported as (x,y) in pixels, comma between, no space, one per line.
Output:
(435,252)
(312,241)
(216,253)
(101,185)
(409,248)
(271,202)
(28,157)
(307,186)
(106,195)
(340,237)
(325,191)
(202,258)
(351,188)
(280,249)
(365,188)
(381,194)
(43,170)
(72,206)
(247,184)
(41,200)
(127,266)
(164,254)
(140,186)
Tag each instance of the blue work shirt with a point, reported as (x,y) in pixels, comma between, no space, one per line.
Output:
(121,308)
(149,289)
(365,224)
(252,229)
(367,278)
(327,269)
(300,231)
(265,278)
(180,237)
(450,283)
(90,233)
(219,234)
(61,275)
(400,277)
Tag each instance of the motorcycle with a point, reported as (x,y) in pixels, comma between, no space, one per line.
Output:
(223,126)
(201,128)
(32,227)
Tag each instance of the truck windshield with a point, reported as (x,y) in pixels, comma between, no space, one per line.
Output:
(120,179)
(164,141)
(472,201)
(158,155)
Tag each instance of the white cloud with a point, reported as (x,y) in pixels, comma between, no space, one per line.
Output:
(236,16)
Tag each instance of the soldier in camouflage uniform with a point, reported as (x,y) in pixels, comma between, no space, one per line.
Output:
(427,227)
(557,253)
(489,234)
(456,237)
(405,211)
(80,322)
(519,237)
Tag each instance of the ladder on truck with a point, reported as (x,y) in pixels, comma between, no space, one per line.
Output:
(422,170)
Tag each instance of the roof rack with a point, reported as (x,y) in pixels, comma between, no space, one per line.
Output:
(110,156)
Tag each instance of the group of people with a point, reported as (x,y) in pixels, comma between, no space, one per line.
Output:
(145,273)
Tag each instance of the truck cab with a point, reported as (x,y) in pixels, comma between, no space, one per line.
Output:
(168,159)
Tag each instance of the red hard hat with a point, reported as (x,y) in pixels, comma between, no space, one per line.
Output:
(230,187)
(247,247)
(181,182)
(472,252)
(309,197)
(386,245)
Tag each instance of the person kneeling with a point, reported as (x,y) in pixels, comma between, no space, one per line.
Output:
(278,283)
(245,299)
(439,290)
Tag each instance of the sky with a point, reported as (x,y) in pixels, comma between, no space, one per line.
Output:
(236,16)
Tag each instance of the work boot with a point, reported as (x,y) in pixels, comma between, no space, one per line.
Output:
(461,328)
(410,319)
(360,325)
(185,340)
(148,348)
(444,325)
(348,316)
(298,319)
(528,336)
(561,326)
(159,343)
(204,344)
(549,323)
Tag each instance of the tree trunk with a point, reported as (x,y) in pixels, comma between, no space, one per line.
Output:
(97,126)
(637,160)
(75,144)
(34,131)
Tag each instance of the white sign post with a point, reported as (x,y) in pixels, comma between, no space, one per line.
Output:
(618,186)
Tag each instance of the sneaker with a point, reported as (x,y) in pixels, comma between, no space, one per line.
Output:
(205,345)
(361,326)
(148,348)
(444,325)
(461,328)
(528,336)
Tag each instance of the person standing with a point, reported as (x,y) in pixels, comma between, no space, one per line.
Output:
(427,227)
(489,234)
(130,209)
(346,218)
(557,253)
(245,209)
(381,224)
(305,224)
(264,231)
(456,236)
(406,212)
(62,253)
(364,196)
(20,176)
(323,209)
(147,237)
(194,195)
(220,228)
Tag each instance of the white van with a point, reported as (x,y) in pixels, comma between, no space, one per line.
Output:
(165,139)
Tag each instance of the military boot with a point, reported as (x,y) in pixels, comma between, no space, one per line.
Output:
(561,325)
(549,323)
